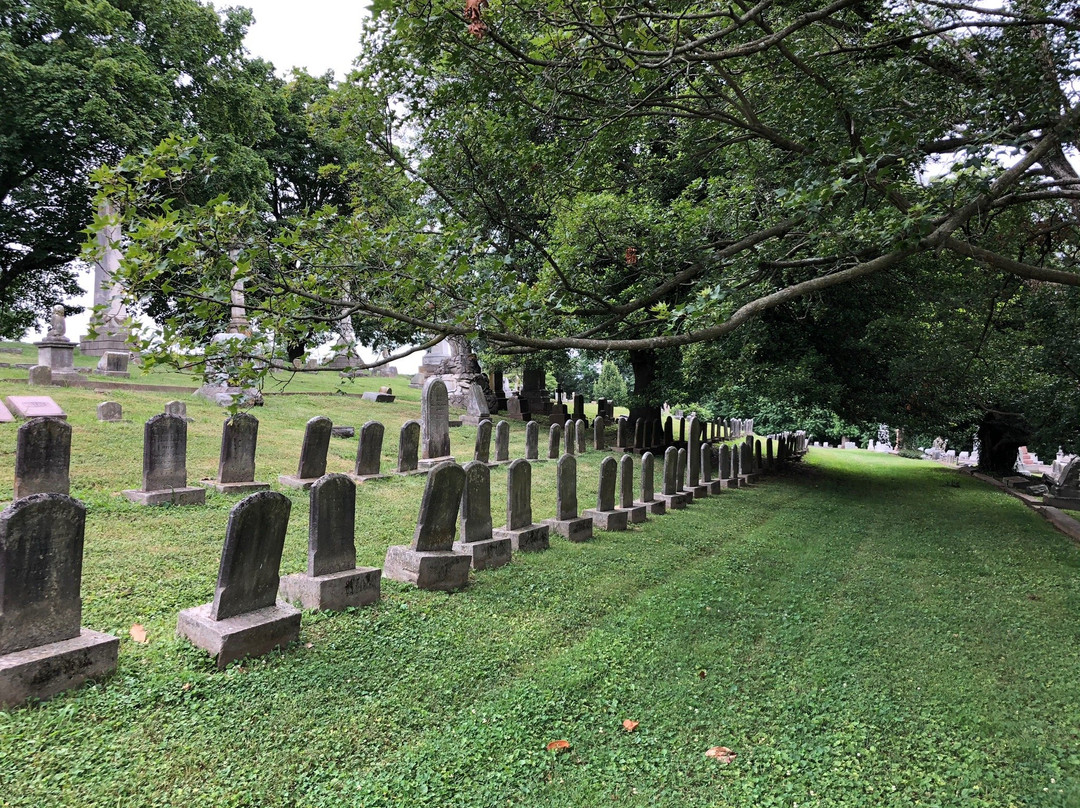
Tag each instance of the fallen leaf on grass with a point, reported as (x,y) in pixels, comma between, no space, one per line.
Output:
(138,633)
(629,725)
(558,746)
(701,674)
(721,753)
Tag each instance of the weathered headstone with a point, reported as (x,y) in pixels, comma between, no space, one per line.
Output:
(110,411)
(639,433)
(369,453)
(746,463)
(476,406)
(737,478)
(482,448)
(670,496)
(725,467)
(434,425)
(430,561)
(177,408)
(707,469)
(579,407)
(693,459)
(502,442)
(532,441)
(604,515)
(523,534)
(567,523)
(770,460)
(332,581)
(477,541)
(599,443)
(669,433)
(312,454)
(245,617)
(40,376)
(35,407)
(113,363)
(681,476)
(236,463)
(621,437)
(558,414)
(43,648)
(554,441)
(648,480)
(408,447)
(570,439)
(579,432)
(635,513)
(165,465)
(517,409)
(42,457)
(759,463)
(385,395)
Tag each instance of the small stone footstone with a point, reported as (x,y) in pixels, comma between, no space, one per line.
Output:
(333,581)
(532,441)
(648,499)
(746,465)
(502,442)
(670,495)
(245,618)
(42,457)
(236,461)
(434,425)
(385,395)
(312,454)
(43,648)
(477,540)
(569,439)
(110,411)
(369,453)
(567,523)
(636,514)
(343,432)
(430,561)
(165,465)
(35,407)
(408,448)
(520,530)
(604,515)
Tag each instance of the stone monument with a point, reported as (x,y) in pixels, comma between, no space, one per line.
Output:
(567,523)
(520,530)
(312,454)
(477,541)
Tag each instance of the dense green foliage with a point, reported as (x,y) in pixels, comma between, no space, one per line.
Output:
(611,385)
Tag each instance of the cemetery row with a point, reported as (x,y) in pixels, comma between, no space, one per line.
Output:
(44,649)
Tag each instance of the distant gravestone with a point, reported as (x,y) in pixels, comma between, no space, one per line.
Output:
(177,408)
(113,363)
(482,447)
(165,465)
(635,513)
(598,434)
(110,411)
(725,466)
(639,433)
(604,515)
(35,407)
(430,562)
(746,462)
(43,648)
(245,617)
(620,434)
(713,486)
(502,442)
(569,438)
(579,431)
(369,453)
(669,433)
(476,406)
(693,459)
(517,409)
(312,454)
(236,462)
(40,376)
(408,447)
(532,441)
(477,541)
(554,441)
(737,479)
(567,523)
(385,395)
(520,530)
(579,407)
(332,581)
(42,458)
(670,496)
(652,505)
(434,424)
(680,476)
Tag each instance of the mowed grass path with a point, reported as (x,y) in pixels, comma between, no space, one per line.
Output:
(861,630)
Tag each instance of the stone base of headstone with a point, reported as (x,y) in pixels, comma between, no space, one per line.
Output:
(729,483)
(363,478)
(303,483)
(608,520)
(378,398)
(168,496)
(245,635)
(235,488)
(486,554)
(58,356)
(424,466)
(714,486)
(699,491)
(333,592)
(113,363)
(531,538)
(458,422)
(635,515)
(1064,503)
(441,570)
(44,671)
(580,529)
(654,508)
(672,502)
(224,396)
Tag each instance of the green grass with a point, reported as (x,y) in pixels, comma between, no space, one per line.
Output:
(862,630)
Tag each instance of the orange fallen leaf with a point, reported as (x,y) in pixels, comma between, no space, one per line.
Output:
(629,725)
(721,753)
(558,746)
(138,633)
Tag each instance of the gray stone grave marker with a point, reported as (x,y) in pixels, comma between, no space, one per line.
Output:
(236,462)
(177,408)
(482,447)
(502,442)
(599,443)
(604,515)
(567,523)
(42,458)
(680,476)
(408,447)
(385,395)
(434,425)
(532,441)
(245,617)
(110,411)
(520,530)
(477,541)
(707,469)
(43,648)
(670,496)
(635,513)
(620,434)
(5,414)
(40,376)
(476,406)
(369,453)
(569,438)
(579,431)
(648,480)
(35,407)
(313,451)
(165,465)
(693,459)
(113,363)
(333,581)
(554,441)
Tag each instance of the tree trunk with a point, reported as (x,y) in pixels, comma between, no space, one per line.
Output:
(1000,435)
(645,401)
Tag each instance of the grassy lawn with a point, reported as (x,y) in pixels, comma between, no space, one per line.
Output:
(862,630)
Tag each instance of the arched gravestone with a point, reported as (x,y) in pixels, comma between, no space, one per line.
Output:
(680,477)
(670,495)
(434,425)
(746,463)
(110,411)
(604,515)
(430,562)
(554,441)
(693,459)
(408,447)
(42,457)
(313,452)
(621,436)
(567,523)
(569,438)
(579,431)
(708,470)
(648,481)
(165,465)
(477,541)
(532,440)
(43,648)
(482,448)
(369,453)
(236,462)
(502,442)
(635,513)
(523,534)
(599,443)
(245,617)
(332,581)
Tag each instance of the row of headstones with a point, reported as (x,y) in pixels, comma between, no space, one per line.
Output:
(650,434)
(44,649)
